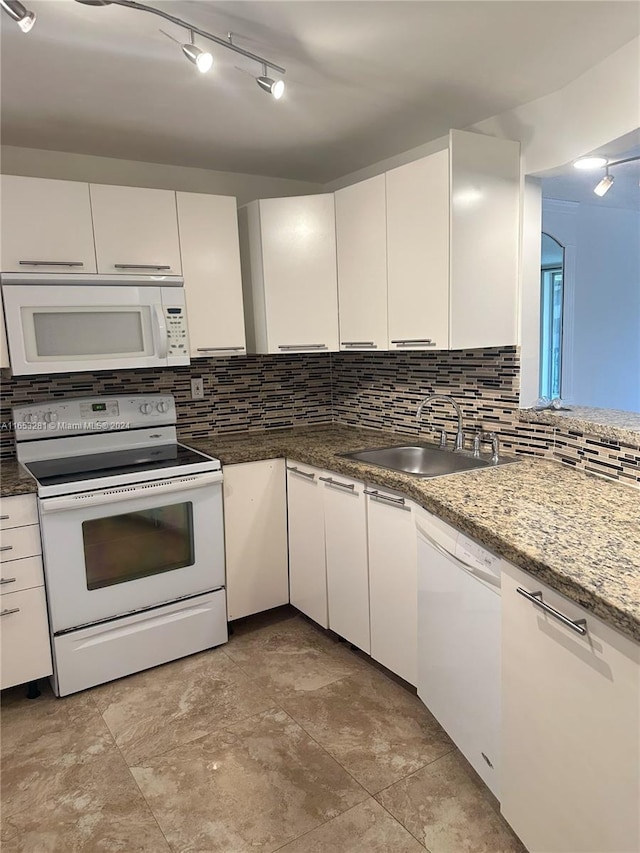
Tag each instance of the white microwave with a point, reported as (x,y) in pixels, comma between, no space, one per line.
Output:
(56,324)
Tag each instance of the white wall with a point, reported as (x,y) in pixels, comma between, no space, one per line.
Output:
(37,163)
(601,356)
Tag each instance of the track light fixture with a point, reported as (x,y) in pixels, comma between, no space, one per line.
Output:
(24,19)
(201,59)
(603,186)
(273,87)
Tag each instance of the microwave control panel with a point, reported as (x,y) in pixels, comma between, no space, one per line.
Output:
(176,320)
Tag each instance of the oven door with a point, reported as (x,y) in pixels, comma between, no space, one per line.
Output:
(122,550)
(54,328)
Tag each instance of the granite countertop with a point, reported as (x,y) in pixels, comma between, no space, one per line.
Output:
(610,424)
(576,532)
(14,480)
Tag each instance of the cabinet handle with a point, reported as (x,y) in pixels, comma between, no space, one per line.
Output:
(301,346)
(219,349)
(363,344)
(51,263)
(331,482)
(7,580)
(4,517)
(408,341)
(379,496)
(306,474)
(142,266)
(10,610)
(6,548)
(577,625)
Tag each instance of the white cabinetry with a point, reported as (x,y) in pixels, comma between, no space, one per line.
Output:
(307,557)
(255,527)
(345,522)
(4,349)
(571,726)
(211,268)
(136,230)
(393,582)
(452,246)
(25,650)
(361,236)
(46,226)
(288,250)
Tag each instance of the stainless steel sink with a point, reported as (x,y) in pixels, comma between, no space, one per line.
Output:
(424,460)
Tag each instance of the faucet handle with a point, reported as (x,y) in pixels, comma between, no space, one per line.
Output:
(443,439)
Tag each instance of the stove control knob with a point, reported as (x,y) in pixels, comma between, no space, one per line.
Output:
(162,406)
(145,408)
(50,417)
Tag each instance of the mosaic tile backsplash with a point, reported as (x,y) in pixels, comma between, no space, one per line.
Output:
(378,390)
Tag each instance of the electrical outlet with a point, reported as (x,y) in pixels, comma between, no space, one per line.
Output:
(197,389)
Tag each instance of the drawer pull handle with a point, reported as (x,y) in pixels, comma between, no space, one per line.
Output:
(379,496)
(4,517)
(9,611)
(331,482)
(6,548)
(51,263)
(301,346)
(363,344)
(306,474)
(7,580)
(427,342)
(220,349)
(142,266)
(577,625)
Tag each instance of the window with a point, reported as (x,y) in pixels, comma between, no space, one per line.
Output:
(551,304)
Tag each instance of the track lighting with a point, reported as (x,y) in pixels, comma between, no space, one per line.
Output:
(200,58)
(605,185)
(24,19)
(273,87)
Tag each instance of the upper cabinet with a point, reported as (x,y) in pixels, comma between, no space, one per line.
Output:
(136,230)
(452,246)
(46,226)
(288,250)
(361,223)
(211,268)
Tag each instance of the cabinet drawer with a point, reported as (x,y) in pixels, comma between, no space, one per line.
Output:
(18,542)
(21,574)
(25,649)
(17,511)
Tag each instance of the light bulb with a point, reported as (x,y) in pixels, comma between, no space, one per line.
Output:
(590,163)
(24,19)
(200,58)
(604,186)
(273,87)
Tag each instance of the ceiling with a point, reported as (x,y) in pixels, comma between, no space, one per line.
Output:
(365,80)
(567,183)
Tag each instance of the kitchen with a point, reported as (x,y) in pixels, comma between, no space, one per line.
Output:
(335,751)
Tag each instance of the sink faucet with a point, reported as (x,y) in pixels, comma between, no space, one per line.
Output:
(445,398)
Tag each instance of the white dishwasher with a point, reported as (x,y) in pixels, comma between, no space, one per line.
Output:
(459,641)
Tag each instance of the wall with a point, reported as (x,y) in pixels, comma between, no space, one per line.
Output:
(36,163)
(601,353)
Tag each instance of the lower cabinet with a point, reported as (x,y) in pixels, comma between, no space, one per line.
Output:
(393,582)
(570,723)
(255,529)
(307,554)
(25,647)
(345,529)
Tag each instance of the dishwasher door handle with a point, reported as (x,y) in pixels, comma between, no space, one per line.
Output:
(487,577)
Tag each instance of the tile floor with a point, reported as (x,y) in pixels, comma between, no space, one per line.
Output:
(284,739)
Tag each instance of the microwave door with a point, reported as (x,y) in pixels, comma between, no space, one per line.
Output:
(61,329)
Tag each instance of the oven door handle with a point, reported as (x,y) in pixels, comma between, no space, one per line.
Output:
(118,494)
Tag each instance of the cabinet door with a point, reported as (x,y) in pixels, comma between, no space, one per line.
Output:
(345,522)
(300,278)
(136,230)
(25,649)
(571,726)
(255,528)
(46,226)
(361,235)
(393,582)
(418,253)
(307,566)
(4,349)
(211,269)
(485,211)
